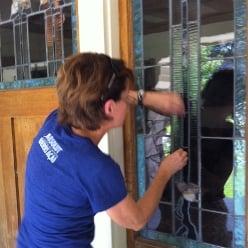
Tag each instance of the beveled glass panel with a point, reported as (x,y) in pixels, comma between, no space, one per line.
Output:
(240,94)
(218,229)
(156,31)
(240,176)
(7,44)
(36,29)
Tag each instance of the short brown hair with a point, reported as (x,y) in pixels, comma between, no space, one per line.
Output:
(84,83)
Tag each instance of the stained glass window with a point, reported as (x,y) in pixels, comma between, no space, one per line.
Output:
(197,48)
(35,38)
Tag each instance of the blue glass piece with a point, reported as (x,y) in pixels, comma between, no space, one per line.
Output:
(240,41)
(240,13)
(239,232)
(138,33)
(172,240)
(141,169)
(33,83)
(239,177)
(240,93)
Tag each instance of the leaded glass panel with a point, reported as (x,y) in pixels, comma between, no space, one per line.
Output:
(197,48)
(35,38)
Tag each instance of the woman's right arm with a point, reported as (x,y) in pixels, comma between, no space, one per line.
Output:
(134,215)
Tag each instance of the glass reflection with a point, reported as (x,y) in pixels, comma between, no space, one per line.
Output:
(217,99)
(7,45)
(155,31)
(37,32)
(217,229)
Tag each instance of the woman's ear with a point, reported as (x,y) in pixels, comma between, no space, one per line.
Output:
(109,107)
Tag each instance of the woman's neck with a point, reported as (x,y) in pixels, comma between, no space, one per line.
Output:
(94,136)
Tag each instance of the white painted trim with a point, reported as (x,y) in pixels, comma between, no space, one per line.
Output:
(99,32)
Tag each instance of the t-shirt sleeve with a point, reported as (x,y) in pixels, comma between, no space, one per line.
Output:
(106,186)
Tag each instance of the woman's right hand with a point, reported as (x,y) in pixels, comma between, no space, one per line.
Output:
(174,162)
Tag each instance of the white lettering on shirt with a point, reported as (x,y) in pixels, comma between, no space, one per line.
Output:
(50,147)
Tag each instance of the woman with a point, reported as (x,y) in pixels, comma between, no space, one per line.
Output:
(68,179)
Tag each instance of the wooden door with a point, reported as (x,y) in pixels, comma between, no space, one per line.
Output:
(21,115)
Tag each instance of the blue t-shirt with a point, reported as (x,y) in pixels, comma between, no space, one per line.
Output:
(68,180)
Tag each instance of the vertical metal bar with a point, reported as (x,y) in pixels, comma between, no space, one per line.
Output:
(46,41)
(28,50)
(62,35)
(15,47)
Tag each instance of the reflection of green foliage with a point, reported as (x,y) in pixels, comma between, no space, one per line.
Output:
(168,129)
(208,67)
(228,188)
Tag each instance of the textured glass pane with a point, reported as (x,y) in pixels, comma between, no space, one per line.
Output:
(239,176)
(240,103)
(239,232)
(186,220)
(216,20)
(138,32)
(58,19)
(141,168)
(217,99)
(5,9)
(216,175)
(217,229)
(240,26)
(7,45)
(37,35)
(156,31)
(67,31)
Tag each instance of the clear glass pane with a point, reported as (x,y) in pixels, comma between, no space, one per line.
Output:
(7,44)
(5,10)
(216,175)
(217,229)
(37,36)
(9,74)
(217,20)
(217,98)
(38,70)
(156,31)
